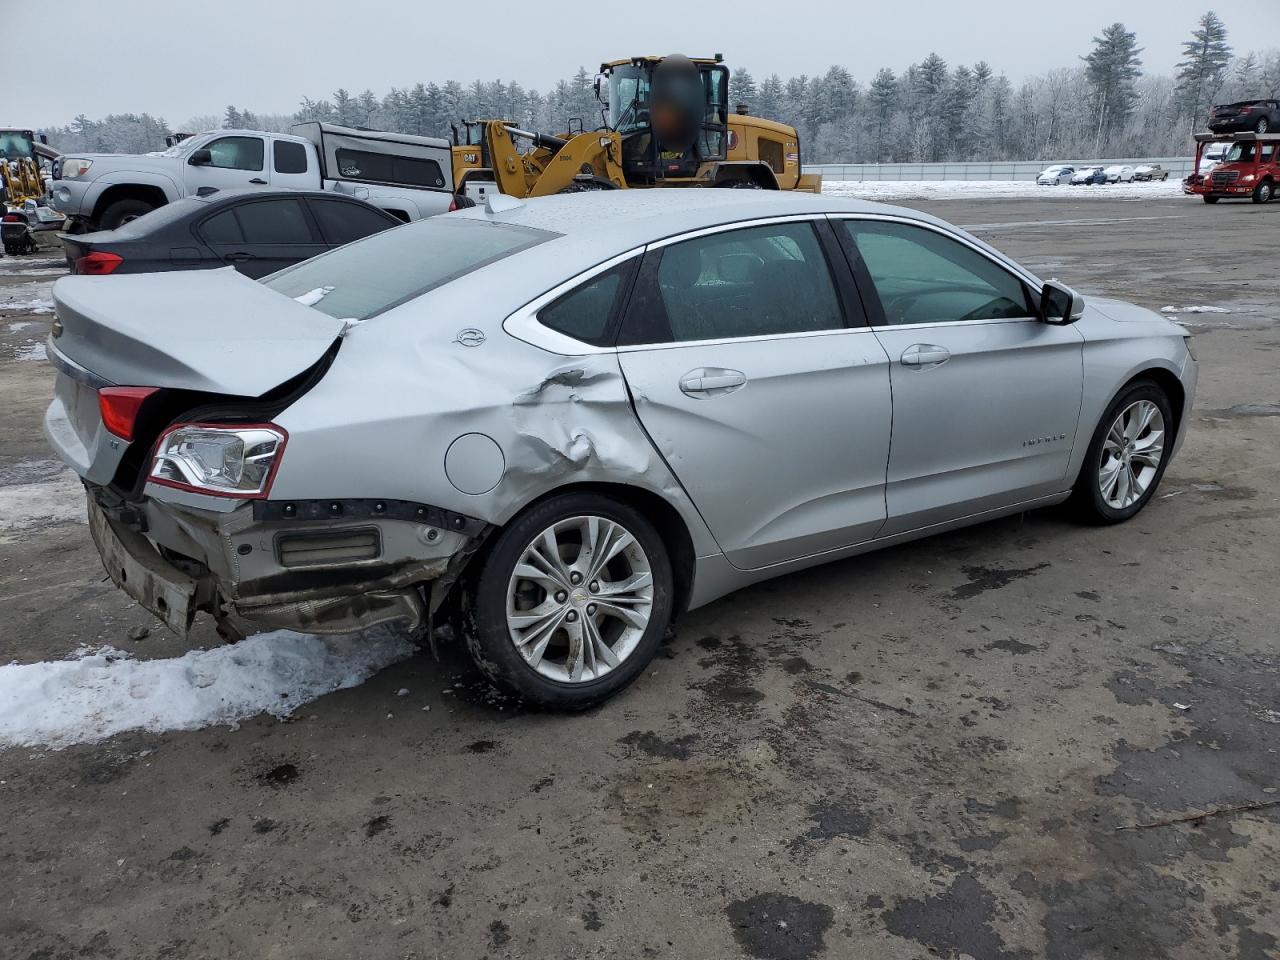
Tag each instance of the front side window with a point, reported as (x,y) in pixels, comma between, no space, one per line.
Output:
(236,153)
(922,276)
(382,168)
(392,267)
(758,281)
(343,222)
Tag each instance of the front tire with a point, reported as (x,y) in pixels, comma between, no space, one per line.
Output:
(572,601)
(1262,126)
(122,211)
(1263,192)
(1212,199)
(1127,456)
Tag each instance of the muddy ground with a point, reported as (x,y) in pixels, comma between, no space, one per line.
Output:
(931,751)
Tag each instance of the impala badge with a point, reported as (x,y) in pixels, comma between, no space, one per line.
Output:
(470,337)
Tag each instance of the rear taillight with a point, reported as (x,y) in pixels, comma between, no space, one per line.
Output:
(453,204)
(10,218)
(222,460)
(119,407)
(97,264)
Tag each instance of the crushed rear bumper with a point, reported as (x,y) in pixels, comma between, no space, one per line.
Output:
(314,576)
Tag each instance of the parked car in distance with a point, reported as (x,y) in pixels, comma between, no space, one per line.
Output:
(1150,171)
(1052,176)
(1212,156)
(577,426)
(256,231)
(1257,116)
(1088,176)
(409,176)
(1119,173)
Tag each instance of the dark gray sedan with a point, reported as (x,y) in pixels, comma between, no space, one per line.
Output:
(256,231)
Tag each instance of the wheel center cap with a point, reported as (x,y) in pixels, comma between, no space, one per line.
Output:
(578,597)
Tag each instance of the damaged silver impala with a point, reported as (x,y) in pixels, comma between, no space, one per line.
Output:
(573,418)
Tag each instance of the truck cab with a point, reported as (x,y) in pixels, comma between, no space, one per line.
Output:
(1249,169)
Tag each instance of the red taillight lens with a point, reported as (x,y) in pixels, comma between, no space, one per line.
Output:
(119,407)
(97,264)
(11,218)
(453,204)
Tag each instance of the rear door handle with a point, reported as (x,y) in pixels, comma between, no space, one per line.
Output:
(239,257)
(258,181)
(711,381)
(925,355)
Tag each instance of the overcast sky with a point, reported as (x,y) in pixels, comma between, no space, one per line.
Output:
(180,58)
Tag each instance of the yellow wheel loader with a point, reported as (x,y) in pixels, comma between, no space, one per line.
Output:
(669,125)
(26,211)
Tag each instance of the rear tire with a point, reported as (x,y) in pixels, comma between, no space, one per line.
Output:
(1262,126)
(739,185)
(567,632)
(122,211)
(1127,456)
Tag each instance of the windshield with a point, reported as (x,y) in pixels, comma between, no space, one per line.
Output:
(382,271)
(629,99)
(1239,152)
(14,145)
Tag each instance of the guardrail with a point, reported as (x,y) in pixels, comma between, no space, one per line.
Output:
(1178,167)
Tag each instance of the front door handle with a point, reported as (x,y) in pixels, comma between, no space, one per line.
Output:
(925,355)
(239,257)
(258,181)
(711,381)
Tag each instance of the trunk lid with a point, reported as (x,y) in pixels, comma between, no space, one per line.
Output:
(214,331)
(200,332)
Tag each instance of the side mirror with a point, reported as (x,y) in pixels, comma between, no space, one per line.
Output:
(1060,304)
(200,158)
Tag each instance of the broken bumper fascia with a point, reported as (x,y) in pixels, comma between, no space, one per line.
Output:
(177,560)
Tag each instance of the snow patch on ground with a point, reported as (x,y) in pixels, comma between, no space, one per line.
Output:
(1194,309)
(35,350)
(992,189)
(41,501)
(27,297)
(96,694)
(21,325)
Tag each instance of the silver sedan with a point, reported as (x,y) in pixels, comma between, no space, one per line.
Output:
(563,422)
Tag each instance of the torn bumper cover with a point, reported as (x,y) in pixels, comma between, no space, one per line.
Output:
(295,569)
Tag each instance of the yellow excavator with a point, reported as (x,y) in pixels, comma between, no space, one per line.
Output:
(669,125)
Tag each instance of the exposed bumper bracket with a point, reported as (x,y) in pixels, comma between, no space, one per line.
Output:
(280,510)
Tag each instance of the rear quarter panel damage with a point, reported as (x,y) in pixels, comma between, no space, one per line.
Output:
(403,389)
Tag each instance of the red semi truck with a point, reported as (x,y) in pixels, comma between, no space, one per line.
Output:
(1250,169)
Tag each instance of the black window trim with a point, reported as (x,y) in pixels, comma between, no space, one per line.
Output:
(871,298)
(852,310)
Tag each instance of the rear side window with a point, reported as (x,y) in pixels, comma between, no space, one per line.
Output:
(342,222)
(288,157)
(758,281)
(380,168)
(389,268)
(274,221)
(222,228)
(586,313)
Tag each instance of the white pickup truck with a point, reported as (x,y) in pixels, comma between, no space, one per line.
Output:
(409,177)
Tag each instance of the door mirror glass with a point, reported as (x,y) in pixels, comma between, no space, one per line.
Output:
(200,158)
(1060,304)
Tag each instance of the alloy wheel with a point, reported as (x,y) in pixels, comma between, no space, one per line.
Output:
(579,599)
(1131,454)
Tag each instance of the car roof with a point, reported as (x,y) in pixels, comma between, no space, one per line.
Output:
(624,219)
(239,193)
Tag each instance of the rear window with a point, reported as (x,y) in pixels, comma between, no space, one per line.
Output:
(384,168)
(377,273)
